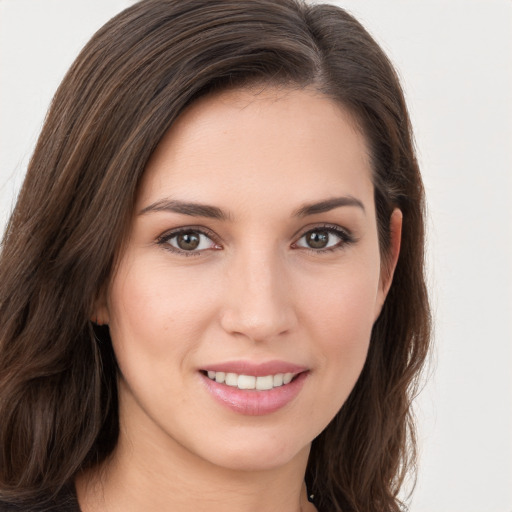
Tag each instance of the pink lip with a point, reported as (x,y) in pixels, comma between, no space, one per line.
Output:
(256,369)
(253,402)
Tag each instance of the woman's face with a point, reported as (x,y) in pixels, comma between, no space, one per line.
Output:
(252,259)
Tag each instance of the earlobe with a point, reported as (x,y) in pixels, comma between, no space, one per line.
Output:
(391,259)
(100,315)
(395,229)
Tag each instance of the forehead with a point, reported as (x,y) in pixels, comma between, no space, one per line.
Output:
(284,144)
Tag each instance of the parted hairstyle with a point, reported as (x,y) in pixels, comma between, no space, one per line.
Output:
(58,374)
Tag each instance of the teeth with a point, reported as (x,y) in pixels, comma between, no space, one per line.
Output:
(278,380)
(287,378)
(231,379)
(246,381)
(250,381)
(264,383)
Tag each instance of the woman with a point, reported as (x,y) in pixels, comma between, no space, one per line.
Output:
(212,292)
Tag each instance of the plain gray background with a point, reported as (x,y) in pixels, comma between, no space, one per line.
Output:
(455,60)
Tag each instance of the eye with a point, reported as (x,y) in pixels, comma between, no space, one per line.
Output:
(187,241)
(324,238)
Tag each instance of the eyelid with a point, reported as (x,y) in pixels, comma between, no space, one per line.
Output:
(344,234)
(164,238)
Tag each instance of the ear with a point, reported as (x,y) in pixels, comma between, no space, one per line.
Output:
(100,314)
(389,265)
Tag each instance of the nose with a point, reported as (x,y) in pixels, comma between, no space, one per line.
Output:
(259,298)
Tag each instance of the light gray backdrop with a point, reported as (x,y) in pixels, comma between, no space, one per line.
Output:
(455,59)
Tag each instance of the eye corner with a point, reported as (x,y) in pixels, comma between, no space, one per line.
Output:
(200,247)
(345,238)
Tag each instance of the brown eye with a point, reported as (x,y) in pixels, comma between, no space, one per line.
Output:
(324,239)
(188,241)
(317,239)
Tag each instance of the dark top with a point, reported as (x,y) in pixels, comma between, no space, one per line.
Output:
(66,501)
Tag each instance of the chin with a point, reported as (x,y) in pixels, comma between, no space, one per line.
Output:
(261,461)
(251,454)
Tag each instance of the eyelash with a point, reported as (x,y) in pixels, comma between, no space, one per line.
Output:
(164,239)
(346,238)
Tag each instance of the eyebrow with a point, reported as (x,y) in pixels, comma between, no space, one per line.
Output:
(186,208)
(213,212)
(327,205)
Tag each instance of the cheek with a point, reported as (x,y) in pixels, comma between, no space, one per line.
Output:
(342,331)
(341,304)
(339,319)
(157,314)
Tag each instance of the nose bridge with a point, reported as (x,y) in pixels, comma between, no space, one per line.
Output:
(259,305)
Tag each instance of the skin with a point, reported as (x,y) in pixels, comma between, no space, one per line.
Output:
(253,290)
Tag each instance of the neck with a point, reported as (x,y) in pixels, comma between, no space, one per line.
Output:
(145,473)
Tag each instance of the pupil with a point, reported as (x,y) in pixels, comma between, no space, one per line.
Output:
(188,241)
(318,239)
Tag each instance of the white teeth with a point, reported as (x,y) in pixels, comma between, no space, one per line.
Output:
(263,383)
(278,380)
(246,382)
(231,379)
(250,381)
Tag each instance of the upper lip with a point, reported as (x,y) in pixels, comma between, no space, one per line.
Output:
(257,369)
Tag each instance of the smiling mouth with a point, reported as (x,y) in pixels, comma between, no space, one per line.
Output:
(251,382)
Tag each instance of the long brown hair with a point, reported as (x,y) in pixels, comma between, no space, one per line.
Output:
(58,395)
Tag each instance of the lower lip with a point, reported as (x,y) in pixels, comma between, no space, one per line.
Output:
(252,402)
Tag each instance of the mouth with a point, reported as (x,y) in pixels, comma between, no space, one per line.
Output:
(254,389)
(251,382)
